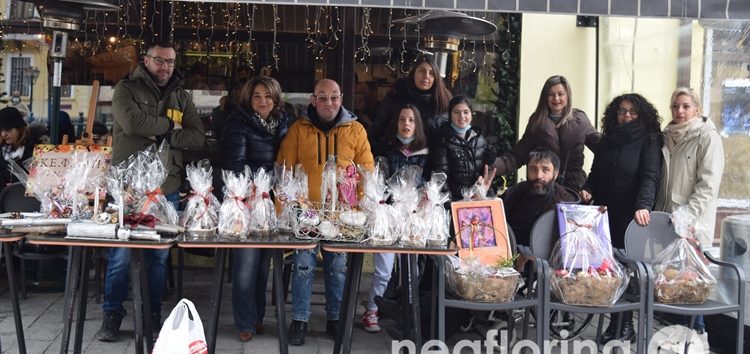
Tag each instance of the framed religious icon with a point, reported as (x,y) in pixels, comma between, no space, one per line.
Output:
(481,230)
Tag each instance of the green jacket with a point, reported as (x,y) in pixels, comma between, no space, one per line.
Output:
(139,110)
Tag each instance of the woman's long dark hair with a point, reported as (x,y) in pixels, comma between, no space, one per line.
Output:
(440,93)
(647,113)
(420,138)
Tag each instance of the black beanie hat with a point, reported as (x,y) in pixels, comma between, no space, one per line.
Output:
(11,118)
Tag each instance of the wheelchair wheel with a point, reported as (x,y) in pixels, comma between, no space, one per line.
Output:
(566,321)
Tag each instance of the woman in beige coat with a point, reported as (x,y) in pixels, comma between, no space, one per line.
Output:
(692,166)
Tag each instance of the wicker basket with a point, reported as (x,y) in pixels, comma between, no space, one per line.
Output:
(583,289)
(500,288)
(318,222)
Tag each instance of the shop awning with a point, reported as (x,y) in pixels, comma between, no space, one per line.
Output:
(688,9)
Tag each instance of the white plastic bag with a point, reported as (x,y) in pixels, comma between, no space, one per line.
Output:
(180,333)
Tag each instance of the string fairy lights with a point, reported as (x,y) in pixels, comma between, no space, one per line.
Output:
(363,52)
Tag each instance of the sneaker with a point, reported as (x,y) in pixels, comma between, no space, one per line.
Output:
(370,321)
(297,332)
(332,327)
(110,330)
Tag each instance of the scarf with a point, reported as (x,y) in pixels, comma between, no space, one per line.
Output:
(269,124)
(676,132)
(10,153)
(555,118)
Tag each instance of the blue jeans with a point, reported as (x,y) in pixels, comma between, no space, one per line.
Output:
(117,279)
(249,277)
(334,266)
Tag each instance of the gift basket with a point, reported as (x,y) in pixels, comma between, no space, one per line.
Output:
(471,280)
(234,213)
(432,210)
(681,274)
(380,226)
(148,173)
(414,230)
(291,190)
(201,215)
(337,217)
(585,273)
(263,212)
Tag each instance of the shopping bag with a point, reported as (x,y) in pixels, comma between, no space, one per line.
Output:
(182,332)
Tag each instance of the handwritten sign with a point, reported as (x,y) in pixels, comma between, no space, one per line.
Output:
(57,158)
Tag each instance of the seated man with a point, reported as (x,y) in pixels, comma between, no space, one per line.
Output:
(527,201)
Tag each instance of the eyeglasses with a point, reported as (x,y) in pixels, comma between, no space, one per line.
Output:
(324,99)
(623,111)
(161,61)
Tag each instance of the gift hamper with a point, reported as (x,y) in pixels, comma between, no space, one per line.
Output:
(681,274)
(585,272)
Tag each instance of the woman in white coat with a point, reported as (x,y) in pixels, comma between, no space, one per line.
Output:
(692,167)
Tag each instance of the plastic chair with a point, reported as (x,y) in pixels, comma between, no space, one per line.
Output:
(529,301)
(544,235)
(644,243)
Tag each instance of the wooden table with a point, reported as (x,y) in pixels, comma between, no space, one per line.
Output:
(278,242)
(7,239)
(410,289)
(78,269)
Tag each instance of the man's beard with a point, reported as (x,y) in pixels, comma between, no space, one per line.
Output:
(538,187)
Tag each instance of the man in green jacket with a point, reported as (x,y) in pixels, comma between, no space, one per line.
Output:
(148,107)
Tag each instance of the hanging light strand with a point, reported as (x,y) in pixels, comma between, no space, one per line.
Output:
(275,46)
(363,52)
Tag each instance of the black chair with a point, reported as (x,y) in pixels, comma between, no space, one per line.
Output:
(644,243)
(544,235)
(529,301)
(13,199)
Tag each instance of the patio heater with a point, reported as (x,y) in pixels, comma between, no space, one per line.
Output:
(442,32)
(33,73)
(62,16)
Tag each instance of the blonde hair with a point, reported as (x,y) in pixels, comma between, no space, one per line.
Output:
(687,92)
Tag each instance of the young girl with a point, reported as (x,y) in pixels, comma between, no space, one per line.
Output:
(462,153)
(405,144)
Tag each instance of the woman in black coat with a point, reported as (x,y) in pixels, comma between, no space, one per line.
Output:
(625,176)
(252,137)
(17,143)
(423,88)
(625,172)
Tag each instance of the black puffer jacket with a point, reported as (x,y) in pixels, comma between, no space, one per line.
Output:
(401,94)
(398,158)
(246,142)
(523,207)
(625,174)
(462,160)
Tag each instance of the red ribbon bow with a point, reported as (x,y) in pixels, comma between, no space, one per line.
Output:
(140,219)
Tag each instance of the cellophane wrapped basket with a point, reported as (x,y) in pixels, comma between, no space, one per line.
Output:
(432,210)
(201,215)
(263,211)
(148,173)
(291,189)
(472,281)
(234,213)
(681,275)
(585,272)
(381,221)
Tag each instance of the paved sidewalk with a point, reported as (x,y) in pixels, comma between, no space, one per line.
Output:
(42,320)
